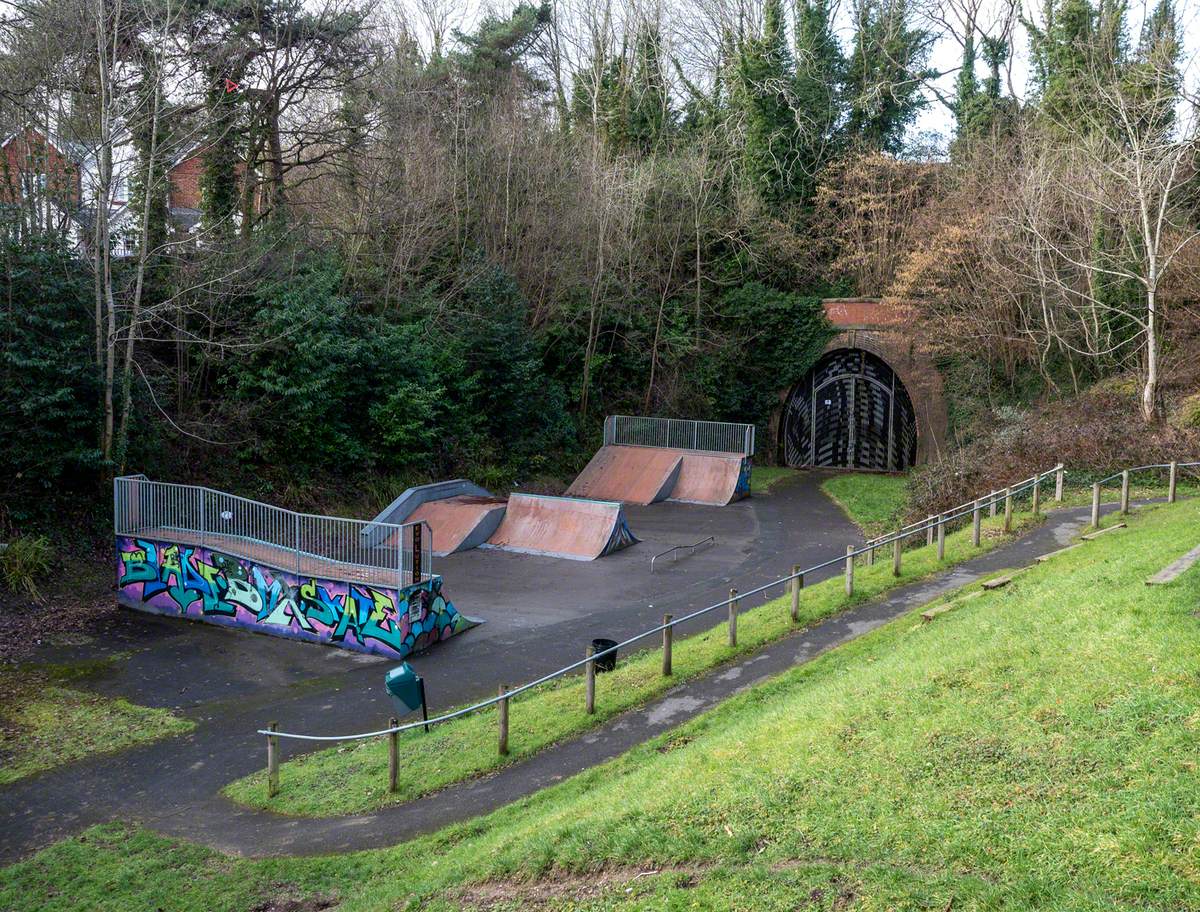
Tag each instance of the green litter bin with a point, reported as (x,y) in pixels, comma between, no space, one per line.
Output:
(406,689)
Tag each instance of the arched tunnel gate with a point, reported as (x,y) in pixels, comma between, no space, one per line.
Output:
(850,411)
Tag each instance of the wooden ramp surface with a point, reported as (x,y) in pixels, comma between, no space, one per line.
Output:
(640,475)
(645,475)
(562,527)
(461,522)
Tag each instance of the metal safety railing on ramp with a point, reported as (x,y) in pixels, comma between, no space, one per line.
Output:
(302,543)
(679,434)
(934,524)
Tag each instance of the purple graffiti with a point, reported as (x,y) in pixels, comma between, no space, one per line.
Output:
(188,581)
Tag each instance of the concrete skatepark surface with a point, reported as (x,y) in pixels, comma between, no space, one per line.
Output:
(541,614)
(645,475)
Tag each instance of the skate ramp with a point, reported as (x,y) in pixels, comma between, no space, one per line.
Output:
(710,478)
(632,474)
(645,475)
(460,522)
(564,527)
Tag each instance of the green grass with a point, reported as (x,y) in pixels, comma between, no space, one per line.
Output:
(874,503)
(1033,749)
(352,777)
(763,478)
(44,724)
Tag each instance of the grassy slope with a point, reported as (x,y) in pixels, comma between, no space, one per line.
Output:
(763,478)
(875,503)
(1032,749)
(44,724)
(352,777)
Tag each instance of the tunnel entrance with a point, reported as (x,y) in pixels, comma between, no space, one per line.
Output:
(850,411)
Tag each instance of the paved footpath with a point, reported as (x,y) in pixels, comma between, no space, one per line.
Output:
(210,819)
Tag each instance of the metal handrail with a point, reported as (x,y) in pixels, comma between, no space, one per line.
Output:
(900,535)
(232,520)
(704,541)
(679,433)
(1157,465)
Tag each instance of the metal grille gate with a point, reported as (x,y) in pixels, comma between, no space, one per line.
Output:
(850,411)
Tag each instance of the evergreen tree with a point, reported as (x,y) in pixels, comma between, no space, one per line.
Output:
(820,74)
(884,73)
(765,83)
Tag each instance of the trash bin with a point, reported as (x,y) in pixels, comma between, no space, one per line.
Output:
(605,662)
(406,689)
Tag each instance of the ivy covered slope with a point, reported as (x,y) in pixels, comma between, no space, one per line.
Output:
(1031,749)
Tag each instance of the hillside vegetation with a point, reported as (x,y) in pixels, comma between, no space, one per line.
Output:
(1032,749)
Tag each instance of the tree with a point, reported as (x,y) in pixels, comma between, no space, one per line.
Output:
(819,106)
(885,73)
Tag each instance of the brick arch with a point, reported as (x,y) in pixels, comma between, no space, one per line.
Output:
(885,330)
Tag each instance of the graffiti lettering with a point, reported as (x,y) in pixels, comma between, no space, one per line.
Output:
(188,581)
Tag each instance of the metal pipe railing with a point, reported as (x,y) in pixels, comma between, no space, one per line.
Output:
(842,558)
(247,528)
(692,547)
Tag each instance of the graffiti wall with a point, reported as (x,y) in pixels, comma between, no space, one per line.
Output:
(189,581)
(743,482)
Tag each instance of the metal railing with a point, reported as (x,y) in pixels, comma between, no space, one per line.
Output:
(674,552)
(972,508)
(302,543)
(679,433)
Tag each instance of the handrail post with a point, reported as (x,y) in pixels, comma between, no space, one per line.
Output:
(896,550)
(941,537)
(871,553)
(929,530)
(1008,509)
(1125,492)
(589,674)
(797,585)
(1037,494)
(1096,505)
(976,518)
(272,761)
(733,613)
(849,570)
(502,718)
(393,753)
(1059,473)
(1171,481)
(668,628)
(992,505)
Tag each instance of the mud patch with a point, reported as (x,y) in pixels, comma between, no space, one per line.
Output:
(564,888)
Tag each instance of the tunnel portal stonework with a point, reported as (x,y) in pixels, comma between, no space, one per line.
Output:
(885,330)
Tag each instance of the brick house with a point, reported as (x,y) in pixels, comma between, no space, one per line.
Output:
(32,164)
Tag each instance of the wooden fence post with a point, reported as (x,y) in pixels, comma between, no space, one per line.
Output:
(941,537)
(1125,492)
(1171,481)
(1008,509)
(992,505)
(797,585)
(502,718)
(871,553)
(929,530)
(896,549)
(272,761)
(849,570)
(976,519)
(589,673)
(1059,474)
(393,754)
(733,613)
(1096,505)
(1037,494)
(667,633)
